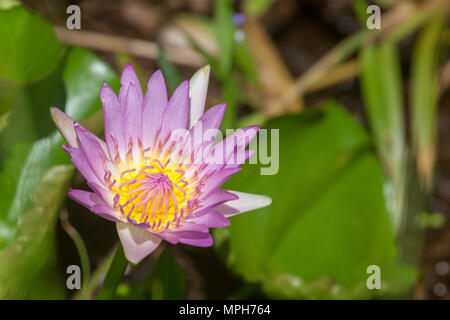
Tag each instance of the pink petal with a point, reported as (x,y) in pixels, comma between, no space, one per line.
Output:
(217,179)
(103,193)
(137,243)
(91,201)
(113,118)
(128,77)
(107,213)
(213,200)
(194,238)
(198,239)
(189,226)
(82,197)
(229,150)
(133,115)
(212,219)
(210,120)
(176,115)
(78,158)
(155,101)
(93,151)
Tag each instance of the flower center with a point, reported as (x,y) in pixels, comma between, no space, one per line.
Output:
(155,195)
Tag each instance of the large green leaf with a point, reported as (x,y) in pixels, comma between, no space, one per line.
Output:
(29,49)
(328,220)
(29,259)
(83,78)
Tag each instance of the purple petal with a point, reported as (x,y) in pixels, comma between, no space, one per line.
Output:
(230,150)
(133,120)
(194,238)
(91,201)
(189,226)
(155,101)
(107,213)
(212,219)
(217,179)
(92,150)
(137,243)
(82,197)
(176,115)
(239,158)
(210,120)
(213,200)
(129,77)
(113,118)
(105,194)
(78,158)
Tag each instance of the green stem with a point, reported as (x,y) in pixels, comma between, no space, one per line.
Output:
(114,275)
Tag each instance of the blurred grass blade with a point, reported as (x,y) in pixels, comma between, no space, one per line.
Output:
(231,95)
(166,279)
(424,95)
(170,72)
(381,87)
(223,15)
(88,290)
(80,246)
(257,7)
(245,62)
(114,275)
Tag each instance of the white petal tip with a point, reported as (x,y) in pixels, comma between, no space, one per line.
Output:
(246,202)
(206,69)
(137,243)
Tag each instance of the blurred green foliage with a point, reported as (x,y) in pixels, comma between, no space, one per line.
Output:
(24,34)
(30,147)
(381,86)
(29,264)
(328,218)
(166,280)
(424,97)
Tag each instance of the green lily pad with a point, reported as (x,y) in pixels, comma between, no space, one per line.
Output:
(328,221)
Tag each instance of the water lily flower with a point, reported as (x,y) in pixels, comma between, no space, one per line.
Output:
(144,181)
